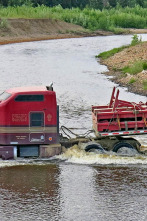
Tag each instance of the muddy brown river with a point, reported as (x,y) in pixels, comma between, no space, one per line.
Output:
(76,185)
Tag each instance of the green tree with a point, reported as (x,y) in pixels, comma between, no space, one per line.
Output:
(19,2)
(145,4)
(113,3)
(80,3)
(123,3)
(106,4)
(4,2)
(66,4)
(97,4)
(132,3)
(140,2)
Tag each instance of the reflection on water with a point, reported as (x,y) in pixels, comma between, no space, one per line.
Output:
(76,185)
(30,193)
(73,192)
(123,198)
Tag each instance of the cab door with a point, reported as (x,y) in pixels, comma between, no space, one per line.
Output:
(37,127)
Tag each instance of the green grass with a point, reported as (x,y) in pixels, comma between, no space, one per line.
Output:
(131,81)
(136,40)
(4,23)
(118,31)
(145,66)
(135,68)
(107,54)
(115,19)
(145,85)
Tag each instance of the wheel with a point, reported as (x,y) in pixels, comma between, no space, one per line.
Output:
(94,147)
(123,148)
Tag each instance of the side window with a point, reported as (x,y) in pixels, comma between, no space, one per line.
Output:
(32,97)
(37,119)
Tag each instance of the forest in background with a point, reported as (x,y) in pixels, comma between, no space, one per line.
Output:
(97,4)
(108,15)
(114,19)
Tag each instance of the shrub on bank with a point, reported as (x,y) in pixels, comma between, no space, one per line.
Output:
(135,68)
(136,40)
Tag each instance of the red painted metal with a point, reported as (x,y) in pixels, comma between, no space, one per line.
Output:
(15,117)
(119,117)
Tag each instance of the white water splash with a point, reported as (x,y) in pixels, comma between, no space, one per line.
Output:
(75,155)
(24,162)
(78,156)
(9,163)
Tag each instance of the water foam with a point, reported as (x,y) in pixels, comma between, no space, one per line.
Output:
(75,155)
(9,163)
(78,156)
(23,162)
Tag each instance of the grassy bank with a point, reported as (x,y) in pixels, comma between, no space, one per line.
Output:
(114,19)
(128,65)
(134,67)
(108,54)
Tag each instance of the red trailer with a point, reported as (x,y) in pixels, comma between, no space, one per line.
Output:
(119,117)
(115,124)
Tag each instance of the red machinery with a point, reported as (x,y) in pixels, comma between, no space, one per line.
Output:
(119,117)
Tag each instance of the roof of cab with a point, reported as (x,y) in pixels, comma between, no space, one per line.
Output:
(27,89)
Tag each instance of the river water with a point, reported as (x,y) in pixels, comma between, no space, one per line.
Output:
(76,185)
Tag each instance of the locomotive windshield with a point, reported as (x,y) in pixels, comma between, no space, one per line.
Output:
(4,96)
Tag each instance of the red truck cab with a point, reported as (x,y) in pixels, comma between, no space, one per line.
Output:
(29,117)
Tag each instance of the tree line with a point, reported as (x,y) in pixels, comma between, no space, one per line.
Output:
(97,4)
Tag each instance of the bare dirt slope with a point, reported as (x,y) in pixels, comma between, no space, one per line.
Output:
(126,58)
(17,30)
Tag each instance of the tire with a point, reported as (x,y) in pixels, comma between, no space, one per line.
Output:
(94,147)
(128,149)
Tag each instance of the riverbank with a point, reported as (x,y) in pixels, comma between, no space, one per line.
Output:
(137,82)
(24,30)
